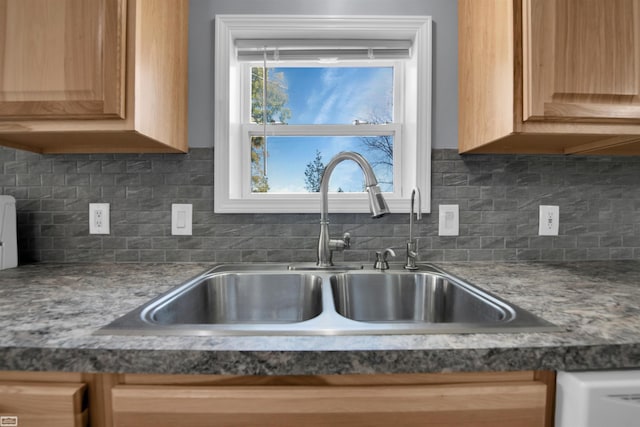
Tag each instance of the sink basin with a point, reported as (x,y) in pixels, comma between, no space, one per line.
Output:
(277,299)
(412,297)
(242,298)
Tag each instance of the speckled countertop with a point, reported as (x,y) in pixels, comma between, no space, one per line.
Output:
(48,314)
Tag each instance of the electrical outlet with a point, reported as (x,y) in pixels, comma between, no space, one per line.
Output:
(449,223)
(98,218)
(549,221)
(181,219)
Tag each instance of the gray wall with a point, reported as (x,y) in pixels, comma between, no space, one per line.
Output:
(599,201)
(599,197)
(445,49)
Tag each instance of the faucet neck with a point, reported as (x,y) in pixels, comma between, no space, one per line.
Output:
(369,176)
(412,247)
(377,203)
(415,192)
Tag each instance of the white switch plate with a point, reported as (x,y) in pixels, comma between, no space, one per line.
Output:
(449,220)
(98,218)
(549,221)
(181,219)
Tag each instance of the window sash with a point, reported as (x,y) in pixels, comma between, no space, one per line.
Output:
(253,130)
(398,82)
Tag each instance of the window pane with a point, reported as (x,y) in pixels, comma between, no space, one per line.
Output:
(323,95)
(294,164)
(277,96)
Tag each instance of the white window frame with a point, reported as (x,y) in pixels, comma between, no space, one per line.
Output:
(412,137)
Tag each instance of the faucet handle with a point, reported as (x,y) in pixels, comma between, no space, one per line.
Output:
(412,255)
(340,244)
(346,238)
(381,259)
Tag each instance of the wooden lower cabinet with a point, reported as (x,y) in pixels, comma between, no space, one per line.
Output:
(451,399)
(28,402)
(483,399)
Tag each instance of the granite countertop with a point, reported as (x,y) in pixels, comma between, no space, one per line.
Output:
(49,312)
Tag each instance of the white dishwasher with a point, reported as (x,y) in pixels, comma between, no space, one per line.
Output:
(8,235)
(598,399)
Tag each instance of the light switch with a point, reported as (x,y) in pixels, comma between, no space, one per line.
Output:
(449,222)
(181,219)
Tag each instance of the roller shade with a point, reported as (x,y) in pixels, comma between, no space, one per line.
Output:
(250,50)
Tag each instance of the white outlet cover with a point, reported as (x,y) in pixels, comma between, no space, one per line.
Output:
(181,219)
(549,220)
(99,218)
(448,220)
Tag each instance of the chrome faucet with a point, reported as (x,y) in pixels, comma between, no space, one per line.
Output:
(377,205)
(412,247)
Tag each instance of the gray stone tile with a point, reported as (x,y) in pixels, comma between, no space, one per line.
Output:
(498,196)
(127,256)
(150,255)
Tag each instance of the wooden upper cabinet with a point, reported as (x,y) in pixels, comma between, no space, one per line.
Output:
(549,76)
(61,59)
(94,75)
(582,59)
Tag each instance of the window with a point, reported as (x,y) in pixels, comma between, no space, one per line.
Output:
(292,91)
(312,113)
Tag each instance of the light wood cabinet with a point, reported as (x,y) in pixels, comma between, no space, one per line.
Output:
(94,75)
(549,76)
(58,399)
(582,61)
(50,67)
(514,399)
(474,399)
(34,404)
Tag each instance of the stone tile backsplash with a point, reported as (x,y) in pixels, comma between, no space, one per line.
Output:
(498,195)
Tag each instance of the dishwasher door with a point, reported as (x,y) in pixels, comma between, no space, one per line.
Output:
(598,398)
(8,233)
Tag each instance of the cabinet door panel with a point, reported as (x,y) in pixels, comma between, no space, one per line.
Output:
(581,60)
(62,59)
(481,404)
(33,404)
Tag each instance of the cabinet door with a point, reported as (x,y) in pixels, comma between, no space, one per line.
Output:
(483,404)
(30,404)
(581,61)
(62,59)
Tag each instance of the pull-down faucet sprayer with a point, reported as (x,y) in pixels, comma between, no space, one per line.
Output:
(377,204)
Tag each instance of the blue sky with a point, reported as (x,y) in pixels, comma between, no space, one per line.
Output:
(329,95)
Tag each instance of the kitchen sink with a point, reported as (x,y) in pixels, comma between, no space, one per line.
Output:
(228,298)
(412,297)
(281,299)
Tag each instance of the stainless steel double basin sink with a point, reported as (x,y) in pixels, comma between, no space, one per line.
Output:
(279,299)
